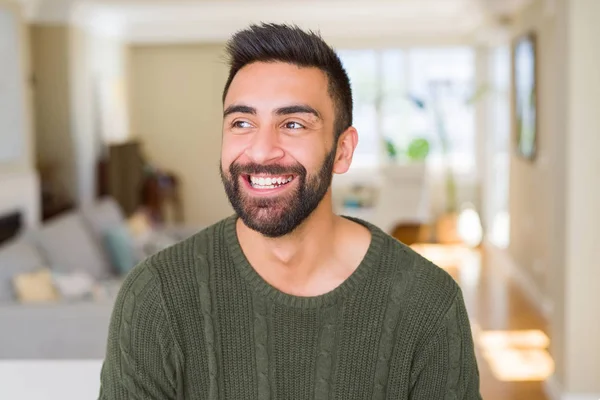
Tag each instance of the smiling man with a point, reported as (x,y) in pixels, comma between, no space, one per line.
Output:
(286,300)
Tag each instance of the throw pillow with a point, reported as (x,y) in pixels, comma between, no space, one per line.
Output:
(141,229)
(139,224)
(35,287)
(74,286)
(120,248)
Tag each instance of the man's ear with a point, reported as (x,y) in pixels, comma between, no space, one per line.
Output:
(345,150)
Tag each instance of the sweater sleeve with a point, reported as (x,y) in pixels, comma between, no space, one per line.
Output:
(446,368)
(141,361)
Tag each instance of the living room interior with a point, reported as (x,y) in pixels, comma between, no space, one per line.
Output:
(478,133)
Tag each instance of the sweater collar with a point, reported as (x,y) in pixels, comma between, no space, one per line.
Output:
(368,263)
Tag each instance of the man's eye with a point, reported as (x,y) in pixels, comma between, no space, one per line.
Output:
(293,125)
(241,124)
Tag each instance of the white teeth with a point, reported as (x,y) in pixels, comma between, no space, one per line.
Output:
(269,183)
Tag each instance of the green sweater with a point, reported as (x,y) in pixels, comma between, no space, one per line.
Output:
(196,321)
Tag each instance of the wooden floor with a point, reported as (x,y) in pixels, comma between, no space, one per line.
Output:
(509,334)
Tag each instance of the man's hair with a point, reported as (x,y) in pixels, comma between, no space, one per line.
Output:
(292,45)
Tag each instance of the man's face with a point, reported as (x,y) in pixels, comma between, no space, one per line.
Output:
(278,149)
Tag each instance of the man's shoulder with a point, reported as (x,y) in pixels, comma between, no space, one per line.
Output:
(185,253)
(408,260)
(422,281)
(180,262)
(169,279)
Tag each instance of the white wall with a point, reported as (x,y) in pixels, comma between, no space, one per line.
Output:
(554,200)
(52,85)
(495,148)
(98,68)
(176,111)
(534,184)
(82,115)
(12,113)
(109,72)
(582,297)
(19,186)
(16,141)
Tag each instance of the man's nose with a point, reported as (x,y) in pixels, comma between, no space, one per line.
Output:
(265,146)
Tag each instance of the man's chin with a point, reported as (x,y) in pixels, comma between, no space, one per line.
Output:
(263,217)
(268,221)
(267,205)
(268,227)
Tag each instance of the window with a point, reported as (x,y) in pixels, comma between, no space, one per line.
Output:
(389,84)
(362,68)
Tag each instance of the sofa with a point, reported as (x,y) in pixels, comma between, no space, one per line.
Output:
(72,244)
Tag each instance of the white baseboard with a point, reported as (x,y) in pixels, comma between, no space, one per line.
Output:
(554,392)
(521,278)
(553,389)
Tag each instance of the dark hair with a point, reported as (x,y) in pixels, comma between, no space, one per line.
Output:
(292,45)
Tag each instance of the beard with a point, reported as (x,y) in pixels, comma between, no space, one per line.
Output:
(279,215)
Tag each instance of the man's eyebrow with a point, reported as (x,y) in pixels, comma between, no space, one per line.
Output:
(239,108)
(298,109)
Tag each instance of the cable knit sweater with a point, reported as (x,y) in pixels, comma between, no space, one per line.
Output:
(196,321)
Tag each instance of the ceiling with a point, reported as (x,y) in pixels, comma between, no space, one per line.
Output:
(193,20)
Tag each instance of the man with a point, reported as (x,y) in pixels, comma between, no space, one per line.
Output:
(285,300)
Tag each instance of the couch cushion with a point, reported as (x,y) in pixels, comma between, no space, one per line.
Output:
(17,257)
(69,247)
(120,246)
(102,216)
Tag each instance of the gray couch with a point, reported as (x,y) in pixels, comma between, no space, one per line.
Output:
(69,243)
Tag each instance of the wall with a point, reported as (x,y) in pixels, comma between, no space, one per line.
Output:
(18,95)
(581,316)
(533,184)
(74,73)
(50,45)
(19,186)
(109,76)
(554,201)
(537,189)
(82,114)
(12,146)
(495,137)
(98,114)
(176,111)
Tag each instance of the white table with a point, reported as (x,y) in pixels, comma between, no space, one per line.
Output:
(50,379)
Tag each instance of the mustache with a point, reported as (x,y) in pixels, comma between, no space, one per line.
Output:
(236,169)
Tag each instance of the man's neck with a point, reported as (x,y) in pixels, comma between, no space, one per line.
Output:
(298,254)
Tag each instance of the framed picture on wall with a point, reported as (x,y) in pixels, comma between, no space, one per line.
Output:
(525,95)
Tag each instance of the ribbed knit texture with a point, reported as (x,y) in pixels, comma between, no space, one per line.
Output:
(196,321)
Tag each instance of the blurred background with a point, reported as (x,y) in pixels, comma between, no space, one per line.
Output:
(478,137)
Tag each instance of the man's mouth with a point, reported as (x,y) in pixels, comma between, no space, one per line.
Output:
(269,181)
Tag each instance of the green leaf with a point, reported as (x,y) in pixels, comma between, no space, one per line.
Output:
(418,149)
(391,148)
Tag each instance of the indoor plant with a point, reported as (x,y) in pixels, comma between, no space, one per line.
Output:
(446,224)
